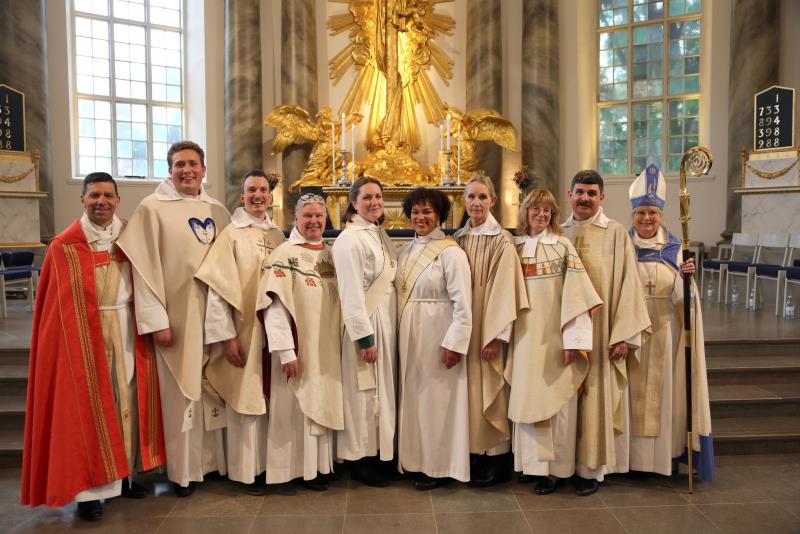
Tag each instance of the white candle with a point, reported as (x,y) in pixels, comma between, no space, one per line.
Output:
(447,127)
(343,132)
(353,149)
(459,154)
(441,138)
(333,153)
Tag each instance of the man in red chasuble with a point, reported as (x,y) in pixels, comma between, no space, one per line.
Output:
(93,415)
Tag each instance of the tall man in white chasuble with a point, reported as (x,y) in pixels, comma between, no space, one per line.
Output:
(166,240)
(366,263)
(93,417)
(232,271)
(608,255)
(435,313)
(303,320)
(548,359)
(658,376)
(498,296)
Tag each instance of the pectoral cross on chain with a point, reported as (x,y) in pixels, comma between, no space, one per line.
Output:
(264,245)
(215,412)
(650,287)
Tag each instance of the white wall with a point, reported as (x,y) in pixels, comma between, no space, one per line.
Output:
(204,94)
(578,73)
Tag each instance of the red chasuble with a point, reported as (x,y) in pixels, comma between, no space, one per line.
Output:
(73,440)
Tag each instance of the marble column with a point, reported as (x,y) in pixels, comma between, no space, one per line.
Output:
(755,43)
(540,126)
(485,77)
(243,113)
(23,66)
(298,83)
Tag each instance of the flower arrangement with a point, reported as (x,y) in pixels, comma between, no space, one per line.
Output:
(524,178)
(273,178)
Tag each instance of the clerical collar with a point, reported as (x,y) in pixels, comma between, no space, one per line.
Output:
(529,242)
(489,227)
(657,241)
(598,219)
(98,234)
(166,191)
(242,219)
(436,233)
(296,238)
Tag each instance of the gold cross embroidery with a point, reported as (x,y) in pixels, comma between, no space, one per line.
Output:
(264,245)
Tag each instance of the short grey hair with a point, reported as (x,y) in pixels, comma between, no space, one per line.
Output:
(481,179)
(308,198)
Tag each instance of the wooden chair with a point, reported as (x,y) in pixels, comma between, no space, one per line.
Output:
(17,271)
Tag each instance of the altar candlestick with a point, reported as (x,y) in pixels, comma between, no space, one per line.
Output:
(353,150)
(459,154)
(333,153)
(441,138)
(343,133)
(447,127)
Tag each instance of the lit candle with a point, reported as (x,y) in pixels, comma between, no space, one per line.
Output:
(353,149)
(447,127)
(459,154)
(333,153)
(343,132)
(441,138)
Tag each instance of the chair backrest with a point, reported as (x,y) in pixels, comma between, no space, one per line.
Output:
(773,249)
(17,258)
(744,247)
(794,248)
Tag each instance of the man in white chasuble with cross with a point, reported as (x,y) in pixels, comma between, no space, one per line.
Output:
(608,255)
(166,240)
(233,271)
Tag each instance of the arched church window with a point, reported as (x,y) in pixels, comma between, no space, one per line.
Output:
(648,97)
(127,85)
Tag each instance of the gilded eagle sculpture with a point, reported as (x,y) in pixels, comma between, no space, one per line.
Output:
(295,127)
(478,124)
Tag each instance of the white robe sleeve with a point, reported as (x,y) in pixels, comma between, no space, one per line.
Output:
(350,261)
(219,321)
(151,316)
(459,288)
(278,325)
(577,333)
(635,340)
(505,333)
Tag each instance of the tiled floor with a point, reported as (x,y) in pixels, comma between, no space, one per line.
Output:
(750,494)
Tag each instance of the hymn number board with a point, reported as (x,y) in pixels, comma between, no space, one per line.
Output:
(773,119)
(12,119)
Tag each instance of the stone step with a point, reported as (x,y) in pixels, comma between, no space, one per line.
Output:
(738,400)
(18,356)
(756,435)
(13,380)
(788,347)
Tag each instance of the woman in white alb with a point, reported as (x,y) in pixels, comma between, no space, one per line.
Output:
(435,312)
(366,262)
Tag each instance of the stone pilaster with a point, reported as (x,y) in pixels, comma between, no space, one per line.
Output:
(298,82)
(243,113)
(23,66)
(755,43)
(540,124)
(485,77)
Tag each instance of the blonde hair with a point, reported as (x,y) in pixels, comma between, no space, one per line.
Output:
(544,198)
(481,179)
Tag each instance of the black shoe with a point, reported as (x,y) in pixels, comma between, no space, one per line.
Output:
(497,471)
(388,469)
(585,486)
(90,510)
(425,483)
(256,488)
(366,473)
(546,486)
(319,483)
(132,490)
(333,476)
(214,475)
(527,479)
(183,491)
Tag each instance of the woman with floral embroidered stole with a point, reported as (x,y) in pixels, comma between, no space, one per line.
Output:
(366,262)
(435,315)
(657,377)
(548,358)
(498,295)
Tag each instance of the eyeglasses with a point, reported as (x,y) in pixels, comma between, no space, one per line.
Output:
(537,210)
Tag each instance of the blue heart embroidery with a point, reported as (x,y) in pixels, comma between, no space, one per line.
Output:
(204,231)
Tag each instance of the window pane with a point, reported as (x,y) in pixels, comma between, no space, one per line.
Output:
(96,7)
(613,78)
(678,8)
(165,51)
(683,129)
(129,9)
(91,56)
(613,139)
(644,10)
(647,129)
(648,72)
(166,12)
